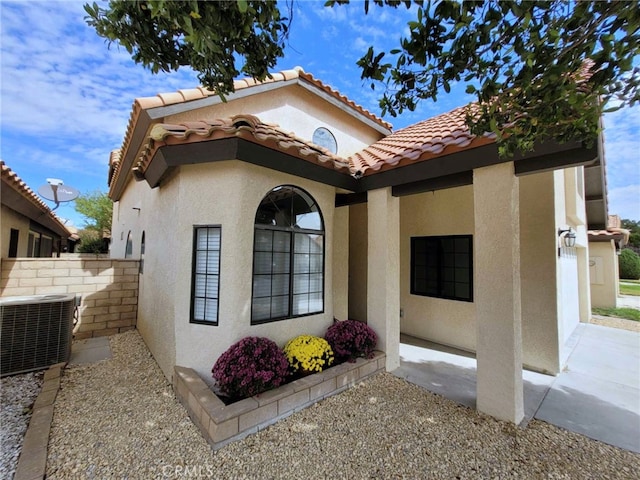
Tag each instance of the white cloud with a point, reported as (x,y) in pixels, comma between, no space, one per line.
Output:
(622,153)
(66,97)
(625,201)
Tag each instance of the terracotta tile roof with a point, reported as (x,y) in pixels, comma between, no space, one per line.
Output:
(182,96)
(431,138)
(12,179)
(248,127)
(187,95)
(114,164)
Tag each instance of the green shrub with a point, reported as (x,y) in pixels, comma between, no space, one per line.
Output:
(93,245)
(629,263)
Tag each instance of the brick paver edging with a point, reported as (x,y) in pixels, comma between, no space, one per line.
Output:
(32,462)
(221,424)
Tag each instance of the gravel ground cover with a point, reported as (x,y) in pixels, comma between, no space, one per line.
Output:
(17,395)
(614,322)
(119,419)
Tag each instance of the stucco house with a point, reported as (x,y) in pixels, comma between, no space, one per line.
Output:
(28,227)
(604,274)
(290,205)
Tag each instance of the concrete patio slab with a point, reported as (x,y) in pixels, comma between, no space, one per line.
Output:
(452,374)
(597,394)
(90,350)
(628,301)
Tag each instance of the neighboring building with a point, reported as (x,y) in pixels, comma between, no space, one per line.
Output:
(28,227)
(289,205)
(604,248)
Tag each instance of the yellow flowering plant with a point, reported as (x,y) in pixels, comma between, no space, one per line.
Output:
(307,354)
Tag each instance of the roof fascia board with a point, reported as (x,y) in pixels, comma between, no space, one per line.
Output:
(140,133)
(545,156)
(605,238)
(573,157)
(348,110)
(170,156)
(265,157)
(438,167)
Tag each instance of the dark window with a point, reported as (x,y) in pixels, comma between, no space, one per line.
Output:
(442,267)
(142,254)
(205,284)
(128,251)
(288,257)
(13,243)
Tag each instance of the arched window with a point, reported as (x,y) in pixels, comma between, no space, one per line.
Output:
(288,256)
(128,252)
(142,253)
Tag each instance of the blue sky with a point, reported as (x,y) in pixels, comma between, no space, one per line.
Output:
(66,98)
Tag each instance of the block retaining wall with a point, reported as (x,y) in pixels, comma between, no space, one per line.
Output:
(221,424)
(109,289)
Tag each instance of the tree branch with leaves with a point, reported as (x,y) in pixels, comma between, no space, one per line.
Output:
(539,69)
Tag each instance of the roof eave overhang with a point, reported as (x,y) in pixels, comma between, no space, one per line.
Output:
(167,157)
(597,207)
(606,237)
(456,169)
(151,116)
(447,171)
(14,200)
(141,130)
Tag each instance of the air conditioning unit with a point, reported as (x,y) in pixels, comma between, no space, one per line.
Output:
(36,332)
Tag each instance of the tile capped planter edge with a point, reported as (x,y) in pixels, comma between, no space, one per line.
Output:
(221,424)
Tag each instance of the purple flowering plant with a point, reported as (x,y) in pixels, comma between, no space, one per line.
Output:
(249,367)
(350,339)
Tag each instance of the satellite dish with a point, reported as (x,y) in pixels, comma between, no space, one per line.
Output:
(57,192)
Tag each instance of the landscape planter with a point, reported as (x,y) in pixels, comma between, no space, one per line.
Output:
(221,424)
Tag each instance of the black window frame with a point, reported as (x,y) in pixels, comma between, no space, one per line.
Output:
(434,250)
(194,274)
(291,232)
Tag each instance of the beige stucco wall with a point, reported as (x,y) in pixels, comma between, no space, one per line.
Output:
(296,110)
(358,268)
(450,322)
(341,263)
(603,273)
(11,219)
(538,248)
(156,303)
(226,194)
(568,206)
(444,212)
(383,283)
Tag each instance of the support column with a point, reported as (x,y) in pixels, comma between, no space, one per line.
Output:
(497,292)
(584,281)
(383,272)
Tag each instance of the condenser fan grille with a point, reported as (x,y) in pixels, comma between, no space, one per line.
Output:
(36,332)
